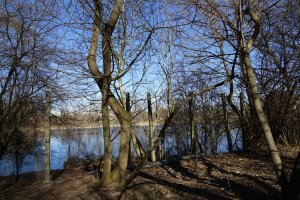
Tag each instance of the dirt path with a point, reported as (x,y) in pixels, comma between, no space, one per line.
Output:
(224,176)
(71,184)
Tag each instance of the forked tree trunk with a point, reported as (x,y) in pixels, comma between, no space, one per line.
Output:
(108,99)
(265,124)
(245,58)
(290,190)
(122,115)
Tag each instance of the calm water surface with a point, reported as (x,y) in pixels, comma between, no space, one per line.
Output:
(79,143)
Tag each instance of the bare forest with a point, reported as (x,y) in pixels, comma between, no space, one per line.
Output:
(129,99)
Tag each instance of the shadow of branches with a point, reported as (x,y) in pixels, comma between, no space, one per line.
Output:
(208,181)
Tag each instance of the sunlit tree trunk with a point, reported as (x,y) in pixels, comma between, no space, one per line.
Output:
(103,83)
(137,145)
(106,177)
(245,57)
(151,127)
(264,123)
(122,115)
(103,80)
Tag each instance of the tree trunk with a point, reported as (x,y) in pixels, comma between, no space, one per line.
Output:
(124,119)
(128,110)
(137,145)
(106,80)
(47,137)
(246,66)
(108,99)
(163,150)
(249,114)
(226,119)
(170,110)
(106,177)
(151,127)
(192,126)
(264,123)
(242,118)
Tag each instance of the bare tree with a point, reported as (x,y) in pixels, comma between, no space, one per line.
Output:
(104,79)
(25,57)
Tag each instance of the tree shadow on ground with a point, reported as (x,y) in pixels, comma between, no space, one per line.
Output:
(288,162)
(55,174)
(258,189)
(184,171)
(241,186)
(211,180)
(179,188)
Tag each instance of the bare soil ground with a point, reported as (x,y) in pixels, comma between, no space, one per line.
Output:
(223,176)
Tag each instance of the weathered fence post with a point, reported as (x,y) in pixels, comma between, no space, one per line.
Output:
(243,121)
(161,153)
(192,125)
(226,119)
(151,131)
(47,137)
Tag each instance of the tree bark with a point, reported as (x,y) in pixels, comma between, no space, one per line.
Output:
(47,137)
(226,119)
(137,145)
(128,110)
(265,124)
(106,80)
(108,99)
(245,57)
(242,118)
(192,126)
(106,177)
(151,127)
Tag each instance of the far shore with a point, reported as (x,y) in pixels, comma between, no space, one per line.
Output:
(89,126)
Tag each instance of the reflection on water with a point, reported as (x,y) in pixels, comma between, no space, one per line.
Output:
(80,142)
